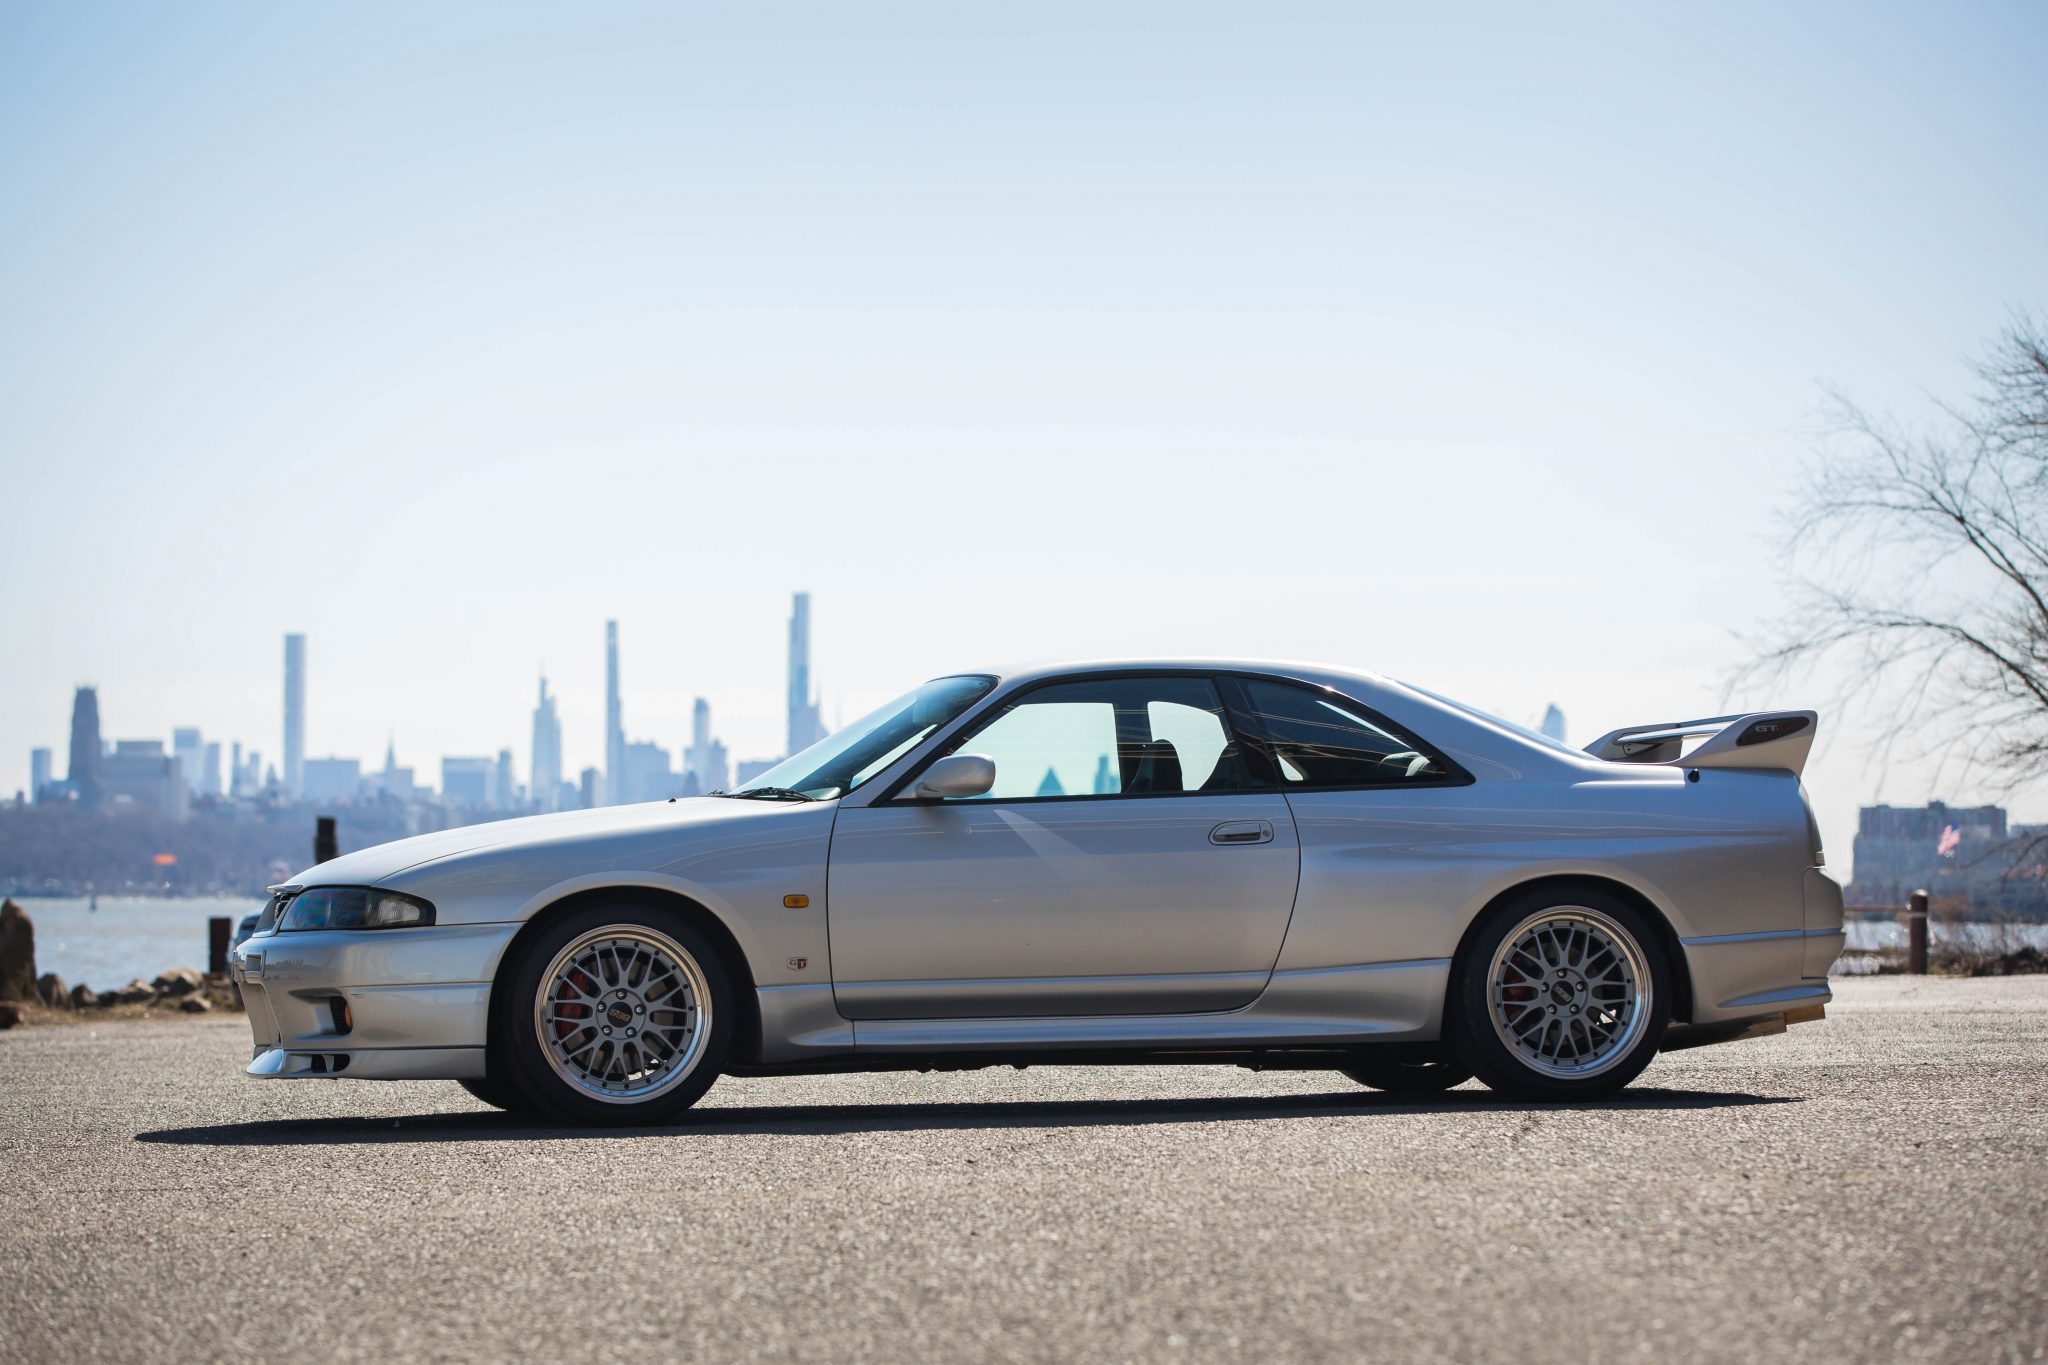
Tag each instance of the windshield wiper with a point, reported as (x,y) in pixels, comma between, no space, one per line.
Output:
(770,794)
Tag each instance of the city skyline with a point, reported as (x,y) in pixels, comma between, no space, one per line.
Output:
(637,769)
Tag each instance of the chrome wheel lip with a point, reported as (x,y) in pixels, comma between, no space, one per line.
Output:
(653,951)
(1630,970)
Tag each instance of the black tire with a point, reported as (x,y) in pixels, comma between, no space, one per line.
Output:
(1525,1071)
(499,1094)
(519,1054)
(1409,1077)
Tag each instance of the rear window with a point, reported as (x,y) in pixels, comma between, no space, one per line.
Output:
(1319,739)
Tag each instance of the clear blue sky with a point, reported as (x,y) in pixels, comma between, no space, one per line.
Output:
(1472,347)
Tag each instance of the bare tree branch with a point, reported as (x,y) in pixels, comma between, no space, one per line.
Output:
(1920,561)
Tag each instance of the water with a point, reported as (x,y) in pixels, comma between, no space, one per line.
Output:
(1868,935)
(127,937)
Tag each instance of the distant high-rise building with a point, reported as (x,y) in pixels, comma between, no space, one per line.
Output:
(590,787)
(504,788)
(190,751)
(547,751)
(294,714)
(644,776)
(139,774)
(467,781)
(330,779)
(1106,779)
(83,774)
(38,773)
(806,727)
(1553,723)
(1049,785)
(706,761)
(747,769)
(614,718)
(209,770)
(395,780)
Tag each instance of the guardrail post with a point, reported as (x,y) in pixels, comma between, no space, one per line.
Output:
(325,849)
(218,929)
(1916,934)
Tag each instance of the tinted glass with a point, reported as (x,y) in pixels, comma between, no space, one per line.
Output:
(1122,737)
(1321,740)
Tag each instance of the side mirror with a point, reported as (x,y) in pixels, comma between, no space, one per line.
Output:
(956,775)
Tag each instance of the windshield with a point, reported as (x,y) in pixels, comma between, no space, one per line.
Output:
(838,763)
(1524,731)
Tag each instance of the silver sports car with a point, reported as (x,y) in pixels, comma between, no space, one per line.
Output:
(1266,865)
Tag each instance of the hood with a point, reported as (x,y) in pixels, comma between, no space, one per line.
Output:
(375,866)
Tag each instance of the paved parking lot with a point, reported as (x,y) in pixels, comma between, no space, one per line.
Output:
(1874,1186)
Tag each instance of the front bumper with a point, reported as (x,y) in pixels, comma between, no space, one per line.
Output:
(379,1004)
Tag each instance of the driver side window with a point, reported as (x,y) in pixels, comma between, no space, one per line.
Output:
(1115,737)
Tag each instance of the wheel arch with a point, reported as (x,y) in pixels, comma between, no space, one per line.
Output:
(1563,883)
(746,1043)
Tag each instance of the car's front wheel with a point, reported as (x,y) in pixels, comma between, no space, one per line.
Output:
(1561,996)
(616,1014)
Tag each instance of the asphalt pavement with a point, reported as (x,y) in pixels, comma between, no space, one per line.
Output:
(1871,1187)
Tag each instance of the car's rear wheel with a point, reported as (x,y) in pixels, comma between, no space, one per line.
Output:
(616,1014)
(1409,1077)
(1561,996)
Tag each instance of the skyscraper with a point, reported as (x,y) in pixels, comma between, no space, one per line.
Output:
(547,751)
(209,770)
(38,773)
(1553,723)
(190,751)
(84,772)
(295,714)
(705,760)
(614,722)
(805,727)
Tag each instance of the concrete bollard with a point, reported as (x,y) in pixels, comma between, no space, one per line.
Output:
(325,847)
(1916,934)
(219,929)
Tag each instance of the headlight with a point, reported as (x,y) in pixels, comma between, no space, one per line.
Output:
(353,907)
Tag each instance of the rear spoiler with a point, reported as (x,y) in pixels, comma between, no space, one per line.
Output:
(1758,739)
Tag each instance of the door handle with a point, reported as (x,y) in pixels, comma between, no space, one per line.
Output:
(1242,832)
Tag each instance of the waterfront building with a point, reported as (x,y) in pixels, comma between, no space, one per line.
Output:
(614,717)
(294,714)
(83,773)
(140,775)
(209,770)
(38,773)
(547,751)
(1970,855)
(806,727)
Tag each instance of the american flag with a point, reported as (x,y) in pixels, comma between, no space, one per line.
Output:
(1951,837)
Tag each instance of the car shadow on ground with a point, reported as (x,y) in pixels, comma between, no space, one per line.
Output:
(476,1125)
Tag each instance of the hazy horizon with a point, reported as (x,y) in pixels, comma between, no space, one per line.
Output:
(1479,353)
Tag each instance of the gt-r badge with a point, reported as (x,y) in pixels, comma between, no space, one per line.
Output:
(797,964)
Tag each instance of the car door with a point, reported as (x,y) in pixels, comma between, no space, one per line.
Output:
(1131,858)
